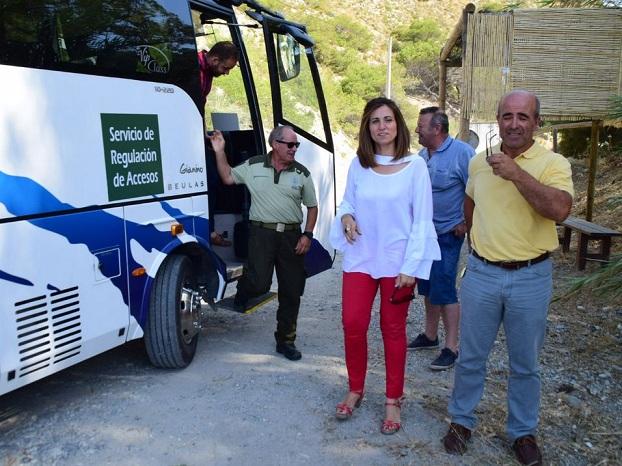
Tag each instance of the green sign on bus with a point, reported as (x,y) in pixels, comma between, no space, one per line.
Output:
(132,153)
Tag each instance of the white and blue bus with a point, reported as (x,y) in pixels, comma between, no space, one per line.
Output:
(105,173)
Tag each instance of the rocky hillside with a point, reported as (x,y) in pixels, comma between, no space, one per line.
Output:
(381,16)
(352,38)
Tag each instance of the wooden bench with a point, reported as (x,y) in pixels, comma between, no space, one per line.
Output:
(588,231)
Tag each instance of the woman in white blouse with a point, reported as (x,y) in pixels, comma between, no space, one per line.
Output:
(384,229)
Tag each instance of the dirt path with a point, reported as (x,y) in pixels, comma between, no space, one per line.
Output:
(241,403)
(238,403)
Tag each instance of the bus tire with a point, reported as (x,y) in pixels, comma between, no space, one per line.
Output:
(171,332)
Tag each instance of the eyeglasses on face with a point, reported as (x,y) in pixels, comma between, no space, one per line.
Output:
(290,145)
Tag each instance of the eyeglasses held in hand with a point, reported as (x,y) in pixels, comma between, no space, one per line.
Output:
(490,136)
(402,295)
(290,145)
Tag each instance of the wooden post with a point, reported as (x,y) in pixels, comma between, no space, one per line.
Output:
(555,130)
(442,84)
(464,128)
(592,170)
(465,121)
(458,32)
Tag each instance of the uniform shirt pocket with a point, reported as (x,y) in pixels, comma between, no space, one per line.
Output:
(261,182)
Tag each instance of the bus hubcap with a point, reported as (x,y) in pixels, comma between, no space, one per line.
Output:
(189,314)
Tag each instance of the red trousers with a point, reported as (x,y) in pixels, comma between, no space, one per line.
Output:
(358,293)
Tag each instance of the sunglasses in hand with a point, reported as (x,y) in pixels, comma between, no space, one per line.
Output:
(402,295)
(491,140)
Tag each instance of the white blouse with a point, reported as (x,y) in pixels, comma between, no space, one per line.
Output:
(393,213)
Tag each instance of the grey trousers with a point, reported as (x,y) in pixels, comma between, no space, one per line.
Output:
(519,299)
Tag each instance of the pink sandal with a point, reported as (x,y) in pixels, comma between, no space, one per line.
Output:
(344,412)
(390,427)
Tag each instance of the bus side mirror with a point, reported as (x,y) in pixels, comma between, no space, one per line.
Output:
(288,57)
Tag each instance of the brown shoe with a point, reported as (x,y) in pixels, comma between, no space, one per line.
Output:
(218,240)
(527,451)
(456,439)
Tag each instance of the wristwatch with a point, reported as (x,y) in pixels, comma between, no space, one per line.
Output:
(308,234)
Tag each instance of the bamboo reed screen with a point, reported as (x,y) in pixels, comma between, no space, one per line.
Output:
(486,65)
(571,58)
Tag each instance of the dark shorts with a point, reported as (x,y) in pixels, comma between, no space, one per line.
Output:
(441,287)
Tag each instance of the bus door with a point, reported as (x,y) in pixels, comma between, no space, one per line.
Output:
(231,106)
(283,51)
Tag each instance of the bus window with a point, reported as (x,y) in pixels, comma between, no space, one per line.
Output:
(256,50)
(150,42)
(298,94)
(226,103)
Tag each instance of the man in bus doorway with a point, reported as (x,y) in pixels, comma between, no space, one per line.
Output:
(278,185)
(218,61)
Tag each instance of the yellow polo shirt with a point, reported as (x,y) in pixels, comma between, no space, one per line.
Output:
(505,227)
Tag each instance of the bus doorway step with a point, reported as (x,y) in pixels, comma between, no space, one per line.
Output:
(251,306)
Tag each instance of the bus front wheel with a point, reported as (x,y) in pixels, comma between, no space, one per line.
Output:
(173,323)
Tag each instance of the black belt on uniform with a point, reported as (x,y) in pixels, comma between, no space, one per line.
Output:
(277,226)
(512,265)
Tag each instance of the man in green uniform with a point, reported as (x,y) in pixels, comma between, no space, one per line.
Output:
(278,185)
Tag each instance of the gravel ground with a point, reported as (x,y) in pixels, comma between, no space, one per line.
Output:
(241,403)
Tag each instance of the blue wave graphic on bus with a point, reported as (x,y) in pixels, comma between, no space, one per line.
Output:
(201,224)
(23,196)
(12,278)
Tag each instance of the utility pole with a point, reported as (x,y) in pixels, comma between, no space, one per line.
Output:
(387,91)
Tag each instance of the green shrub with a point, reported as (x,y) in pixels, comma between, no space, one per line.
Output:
(426,30)
(575,142)
(364,80)
(605,282)
(338,40)
(352,34)
(417,47)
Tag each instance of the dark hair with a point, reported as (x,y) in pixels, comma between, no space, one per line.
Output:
(367,148)
(224,50)
(438,118)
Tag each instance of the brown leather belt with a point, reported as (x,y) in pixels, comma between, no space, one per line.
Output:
(512,265)
(277,226)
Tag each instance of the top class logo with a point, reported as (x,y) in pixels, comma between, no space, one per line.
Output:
(152,60)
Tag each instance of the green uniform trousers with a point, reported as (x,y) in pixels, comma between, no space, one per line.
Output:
(267,250)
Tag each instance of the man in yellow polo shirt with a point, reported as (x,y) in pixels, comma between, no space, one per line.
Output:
(515,195)
(278,185)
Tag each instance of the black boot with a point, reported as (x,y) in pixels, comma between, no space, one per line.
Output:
(289,350)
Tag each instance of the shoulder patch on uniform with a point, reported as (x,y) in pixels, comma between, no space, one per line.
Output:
(256,159)
(300,168)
